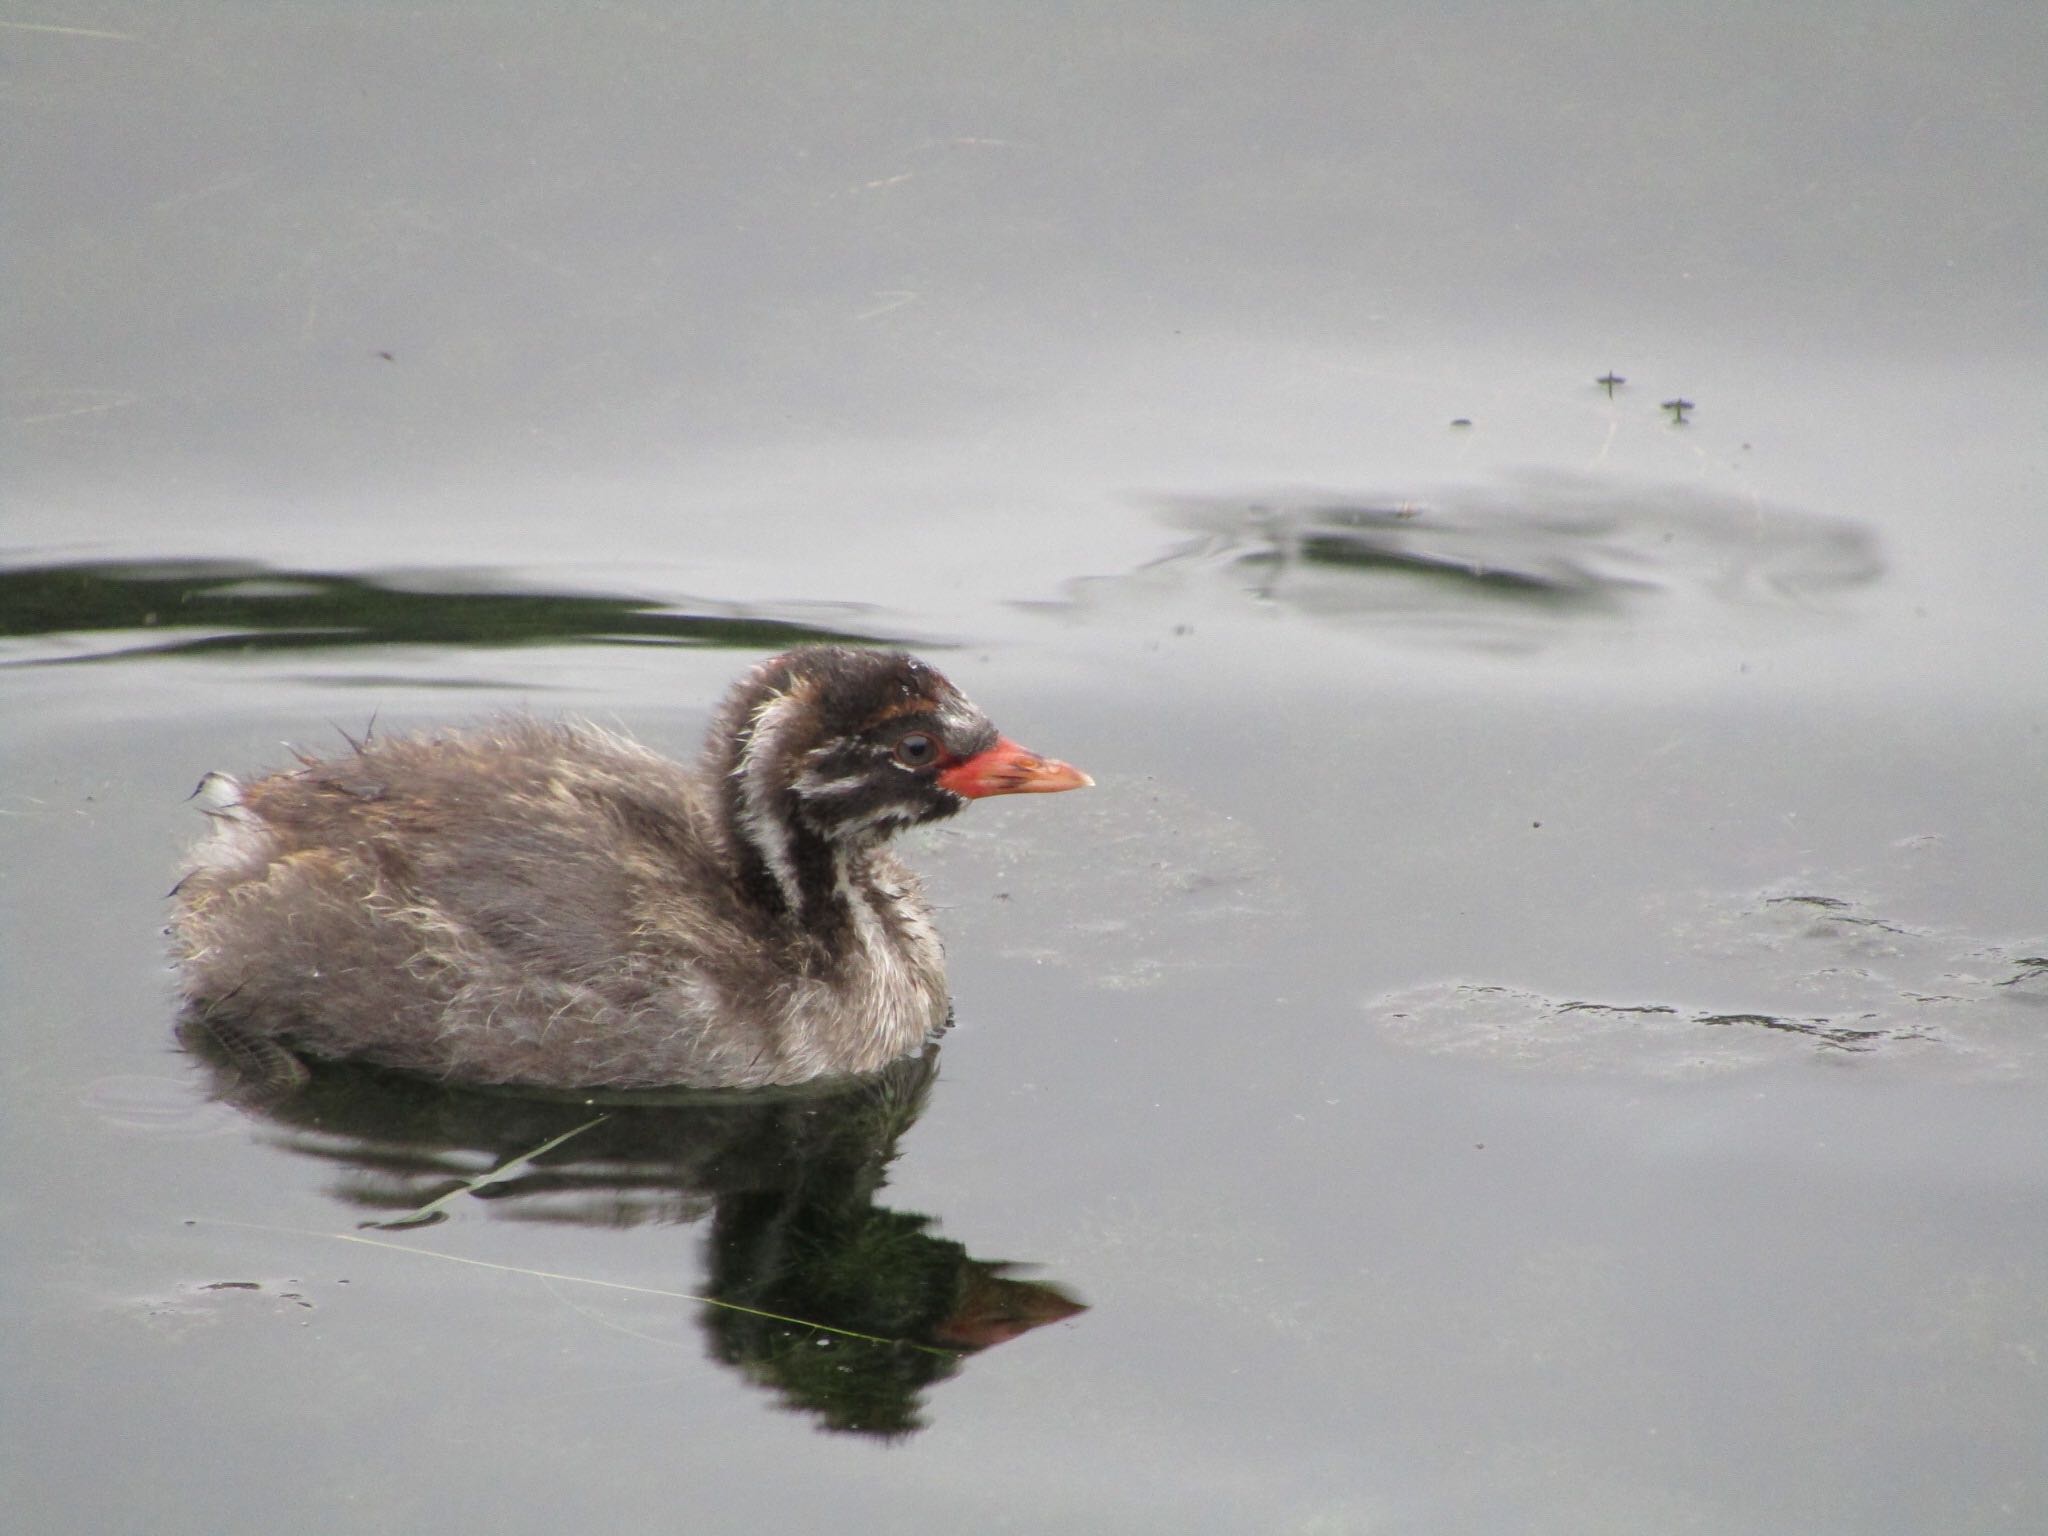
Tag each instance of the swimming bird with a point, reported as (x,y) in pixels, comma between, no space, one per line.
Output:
(552,904)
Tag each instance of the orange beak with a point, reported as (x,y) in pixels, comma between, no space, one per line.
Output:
(1008,769)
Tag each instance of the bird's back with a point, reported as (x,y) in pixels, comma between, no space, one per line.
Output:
(516,903)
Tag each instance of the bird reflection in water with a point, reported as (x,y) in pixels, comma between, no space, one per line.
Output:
(846,1309)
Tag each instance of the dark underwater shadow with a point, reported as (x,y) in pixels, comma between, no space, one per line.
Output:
(847,1310)
(1516,568)
(104,610)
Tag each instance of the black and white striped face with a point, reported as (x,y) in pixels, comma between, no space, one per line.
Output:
(844,745)
(827,749)
(885,771)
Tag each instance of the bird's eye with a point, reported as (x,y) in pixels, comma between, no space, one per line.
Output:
(917,750)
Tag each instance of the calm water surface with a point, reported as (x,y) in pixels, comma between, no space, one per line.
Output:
(1543,1024)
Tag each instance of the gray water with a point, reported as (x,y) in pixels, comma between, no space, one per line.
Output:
(1540,1026)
